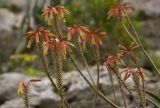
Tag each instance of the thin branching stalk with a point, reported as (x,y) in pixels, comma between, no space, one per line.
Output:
(138,89)
(58,61)
(141,91)
(128,89)
(85,62)
(45,67)
(120,84)
(113,88)
(144,93)
(138,41)
(90,84)
(98,72)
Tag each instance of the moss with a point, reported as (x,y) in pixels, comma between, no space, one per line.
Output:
(33,72)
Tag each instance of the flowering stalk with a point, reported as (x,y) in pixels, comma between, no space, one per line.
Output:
(59,77)
(137,40)
(90,84)
(135,71)
(98,70)
(121,87)
(85,62)
(113,88)
(23,91)
(80,33)
(45,65)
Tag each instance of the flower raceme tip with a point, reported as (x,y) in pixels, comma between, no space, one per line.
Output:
(94,37)
(40,34)
(58,45)
(79,32)
(51,11)
(119,10)
(22,86)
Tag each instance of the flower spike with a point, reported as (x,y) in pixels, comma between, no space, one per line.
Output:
(118,10)
(40,34)
(94,37)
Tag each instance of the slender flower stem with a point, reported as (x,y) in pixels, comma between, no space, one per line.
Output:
(90,84)
(98,65)
(120,84)
(141,92)
(113,88)
(128,89)
(85,62)
(52,2)
(138,41)
(144,93)
(45,67)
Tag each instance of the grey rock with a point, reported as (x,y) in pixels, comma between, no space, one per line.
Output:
(77,91)
(149,14)
(150,8)
(9,20)
(40,92)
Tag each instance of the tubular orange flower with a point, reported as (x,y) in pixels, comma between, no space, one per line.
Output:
(59,45)
(117,10)
(128,51)
(111,60)
(79,31)
(40,34)
(61,11)
(21,87)
(133,71)
(51,11)
(94,37)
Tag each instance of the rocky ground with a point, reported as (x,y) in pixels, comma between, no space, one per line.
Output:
(77,91)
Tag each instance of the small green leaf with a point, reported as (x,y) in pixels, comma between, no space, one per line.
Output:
(153,98)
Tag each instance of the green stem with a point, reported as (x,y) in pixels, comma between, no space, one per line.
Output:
(113,88)
(85,62)
(84,77)
(98,65)
(139,43)
(120,84)
(128,89)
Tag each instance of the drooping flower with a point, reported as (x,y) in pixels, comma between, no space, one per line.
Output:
(112,60)
(50,12)
(118,10)
(133,71)
(23,87)
(94,37)
(58,45)
(79,32)
(40,34)
(124,51)
(61,11)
